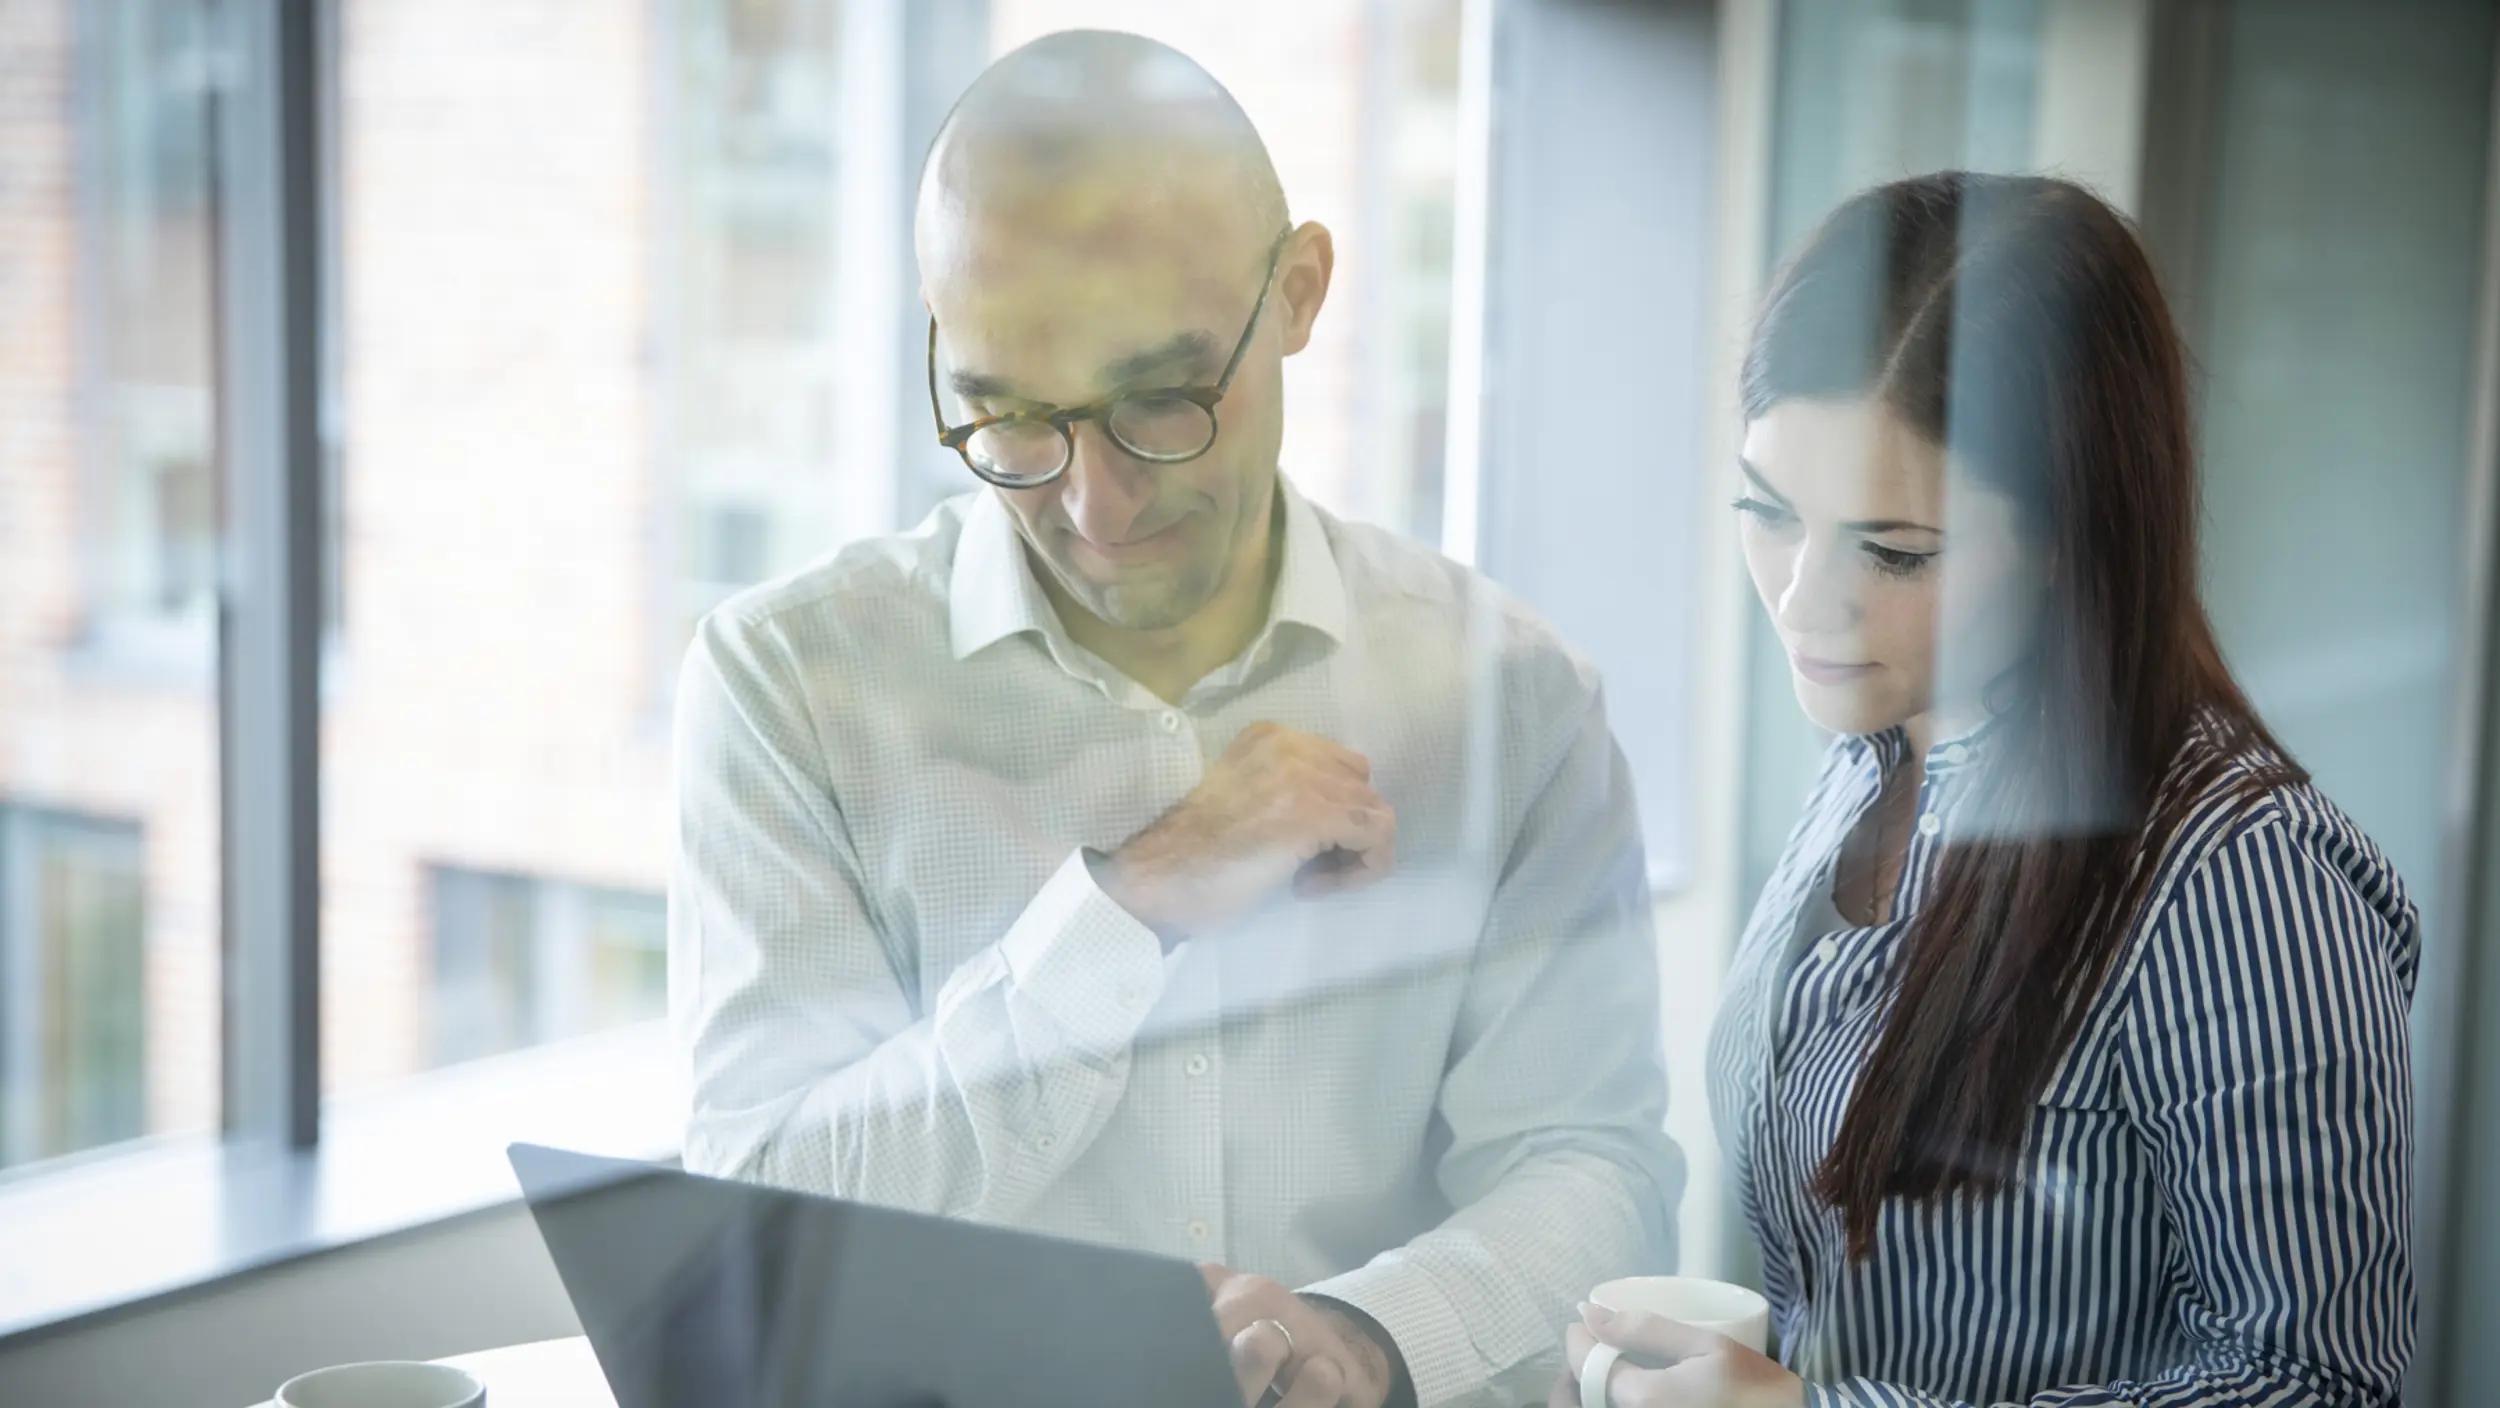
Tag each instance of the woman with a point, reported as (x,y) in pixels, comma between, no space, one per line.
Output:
(2064,1059)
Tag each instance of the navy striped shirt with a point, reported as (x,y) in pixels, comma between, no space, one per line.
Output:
(2214,1205)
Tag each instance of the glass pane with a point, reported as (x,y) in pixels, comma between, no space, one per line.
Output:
(2329,301)
(109,971)
(1359,108)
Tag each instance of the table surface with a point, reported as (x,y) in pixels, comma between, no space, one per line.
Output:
(548,1374)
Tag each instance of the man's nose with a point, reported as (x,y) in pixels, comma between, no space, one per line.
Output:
(1105,489)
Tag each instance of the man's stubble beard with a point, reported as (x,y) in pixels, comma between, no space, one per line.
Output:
(1157,604)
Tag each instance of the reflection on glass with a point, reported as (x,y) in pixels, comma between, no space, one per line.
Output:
(1866,93)
(108,578)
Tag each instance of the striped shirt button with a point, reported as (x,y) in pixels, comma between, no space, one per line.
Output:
(1930,824)
(1827,950)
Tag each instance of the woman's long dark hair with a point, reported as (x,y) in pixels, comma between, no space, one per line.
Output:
(2017,322)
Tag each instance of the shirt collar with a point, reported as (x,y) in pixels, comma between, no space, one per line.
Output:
(1944,757)
(991,593)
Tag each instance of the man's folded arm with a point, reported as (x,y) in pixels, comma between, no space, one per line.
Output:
(814,1062)
(1559,1166)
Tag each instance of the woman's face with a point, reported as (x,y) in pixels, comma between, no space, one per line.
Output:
(1900,584)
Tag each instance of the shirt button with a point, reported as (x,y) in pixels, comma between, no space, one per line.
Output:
(1827,950)
(1044,1143)
(1196,1065)
(1171,722)
(1198,1232)
(1131,995)
(1930,824)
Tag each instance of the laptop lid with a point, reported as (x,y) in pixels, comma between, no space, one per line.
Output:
(696,1291)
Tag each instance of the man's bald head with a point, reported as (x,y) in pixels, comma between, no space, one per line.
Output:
(1100,140)
(1099,221)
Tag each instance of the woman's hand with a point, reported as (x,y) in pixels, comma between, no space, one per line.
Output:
(1702,1370)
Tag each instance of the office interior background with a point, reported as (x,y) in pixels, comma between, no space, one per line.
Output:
(387,386)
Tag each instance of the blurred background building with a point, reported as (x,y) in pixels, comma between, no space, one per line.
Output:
(618,317)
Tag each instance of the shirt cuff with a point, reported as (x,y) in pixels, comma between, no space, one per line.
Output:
(1441,1360)
(1088,964)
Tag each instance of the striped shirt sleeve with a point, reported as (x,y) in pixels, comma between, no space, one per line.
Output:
(2263,1059)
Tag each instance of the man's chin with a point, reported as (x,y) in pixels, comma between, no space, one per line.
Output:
(1143,601)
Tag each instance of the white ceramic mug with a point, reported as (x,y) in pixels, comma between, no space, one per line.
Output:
(1739,1314)
(386,1383)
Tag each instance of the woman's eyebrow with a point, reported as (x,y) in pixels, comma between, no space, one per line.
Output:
(1869,525)
(1761,484)
(1890,525)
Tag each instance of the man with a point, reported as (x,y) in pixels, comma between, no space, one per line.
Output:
(1133,852)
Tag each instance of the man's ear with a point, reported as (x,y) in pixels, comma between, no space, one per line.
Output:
(1302,278)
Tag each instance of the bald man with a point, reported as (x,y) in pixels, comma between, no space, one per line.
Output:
(1137,853)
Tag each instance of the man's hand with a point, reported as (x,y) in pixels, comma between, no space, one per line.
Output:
(1279,807)
(1313,1354)
(1701,1370)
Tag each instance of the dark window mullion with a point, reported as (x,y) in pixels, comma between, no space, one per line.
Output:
(269,285)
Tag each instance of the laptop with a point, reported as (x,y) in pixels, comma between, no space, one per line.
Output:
(700,1293)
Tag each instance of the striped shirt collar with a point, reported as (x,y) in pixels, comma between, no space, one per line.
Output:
(1947,757)
(992,594)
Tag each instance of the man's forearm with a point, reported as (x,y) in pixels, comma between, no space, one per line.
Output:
(971,1110)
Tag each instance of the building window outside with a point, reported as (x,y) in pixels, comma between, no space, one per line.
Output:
(144,79)
(520,961)
(73,1028)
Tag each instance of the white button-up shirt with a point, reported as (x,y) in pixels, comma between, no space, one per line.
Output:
(1437,1099)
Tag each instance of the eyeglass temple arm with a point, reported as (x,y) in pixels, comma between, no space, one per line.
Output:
(1241,349)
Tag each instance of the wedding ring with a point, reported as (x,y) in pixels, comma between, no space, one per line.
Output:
(1275,1393)
(1594,1371)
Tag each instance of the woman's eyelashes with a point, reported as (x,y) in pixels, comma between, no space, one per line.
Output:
(1893,562)
(1768,514)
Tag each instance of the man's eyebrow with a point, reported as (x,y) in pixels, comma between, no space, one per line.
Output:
(1182,350)
(975,386)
